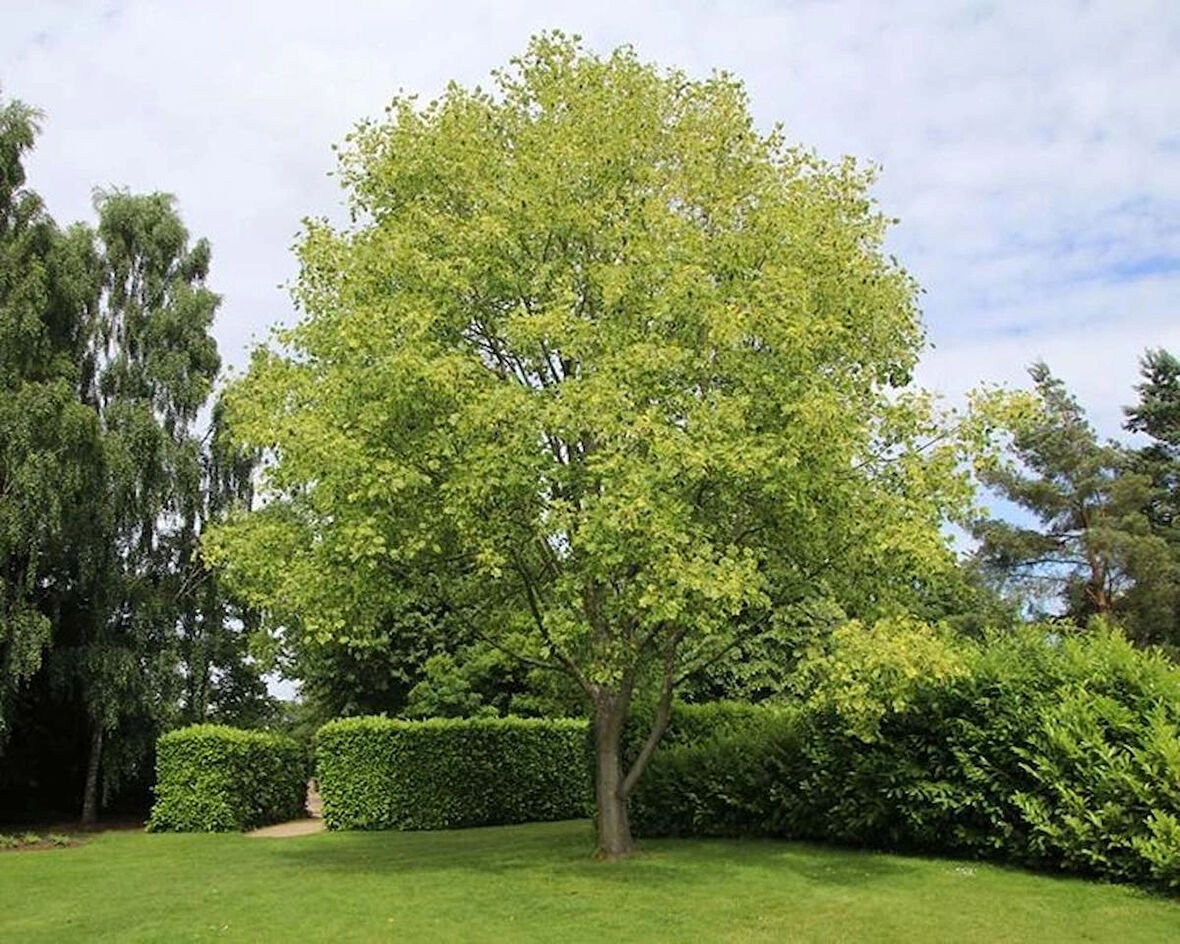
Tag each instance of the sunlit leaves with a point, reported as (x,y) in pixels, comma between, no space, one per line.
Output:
(603,359)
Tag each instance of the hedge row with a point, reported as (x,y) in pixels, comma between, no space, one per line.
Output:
(1060,754)
(212,778)
(380,773)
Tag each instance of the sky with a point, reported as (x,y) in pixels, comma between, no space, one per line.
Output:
(1031,149)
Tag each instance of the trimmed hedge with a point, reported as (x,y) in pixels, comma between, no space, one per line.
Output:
(213,778)
(381,773)
(1057,754)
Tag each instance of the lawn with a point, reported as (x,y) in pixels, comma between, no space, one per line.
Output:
(535,883)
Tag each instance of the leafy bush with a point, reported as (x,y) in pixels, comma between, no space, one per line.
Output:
(688,724)
(715,783)
(1104,766)
(1032,748)
(380,773)
(212,778)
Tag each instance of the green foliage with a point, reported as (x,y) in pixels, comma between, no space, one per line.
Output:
(475,682)
(380,773)
(860,675)
(506,377)
(213,778)
(1104,765)
(370,672)
(1038,748)
(50,458)
(1157,415)
(481,680)
(693,723)
(714,774)
(762,662)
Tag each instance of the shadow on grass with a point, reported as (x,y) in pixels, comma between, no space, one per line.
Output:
(564,849)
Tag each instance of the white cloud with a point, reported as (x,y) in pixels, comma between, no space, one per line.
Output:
(1029,148)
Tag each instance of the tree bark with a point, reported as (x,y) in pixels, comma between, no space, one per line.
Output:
(614,828)
(90,792)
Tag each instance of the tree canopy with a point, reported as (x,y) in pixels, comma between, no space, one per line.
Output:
(50,460)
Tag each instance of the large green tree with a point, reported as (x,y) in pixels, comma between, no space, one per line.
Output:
(619,371)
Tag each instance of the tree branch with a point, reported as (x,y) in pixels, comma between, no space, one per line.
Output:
(660,723)
(527,660)
(534,608)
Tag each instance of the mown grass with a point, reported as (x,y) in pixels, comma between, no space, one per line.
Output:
(536,883)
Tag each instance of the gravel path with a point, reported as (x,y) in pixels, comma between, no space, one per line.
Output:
(313,823)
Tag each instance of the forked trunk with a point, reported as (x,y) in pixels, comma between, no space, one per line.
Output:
(90,792)
(614,829)
(613,784)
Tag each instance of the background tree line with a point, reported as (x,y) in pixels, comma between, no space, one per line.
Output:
(113,458)
(760,482)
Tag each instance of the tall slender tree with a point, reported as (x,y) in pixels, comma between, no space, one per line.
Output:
(1157,415)
(51,464)
(109,623)
(156,363)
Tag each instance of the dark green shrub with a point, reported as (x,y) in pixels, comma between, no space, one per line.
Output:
(939,764)
(690,723)
(1059,753)
(212,778)
(380,773)
(718,783)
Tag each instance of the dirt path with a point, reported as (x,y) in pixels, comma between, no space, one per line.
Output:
(297,827)
(313,823)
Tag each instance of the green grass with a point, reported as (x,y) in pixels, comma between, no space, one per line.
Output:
(535,883)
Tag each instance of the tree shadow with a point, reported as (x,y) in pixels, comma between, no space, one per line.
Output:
(564,850)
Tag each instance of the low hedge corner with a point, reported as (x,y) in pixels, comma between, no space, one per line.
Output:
(214,778)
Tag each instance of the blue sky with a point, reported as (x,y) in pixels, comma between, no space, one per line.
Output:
(1031,149)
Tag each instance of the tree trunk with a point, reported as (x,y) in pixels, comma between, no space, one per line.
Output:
(90,793)
(613,784)
(614,829)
